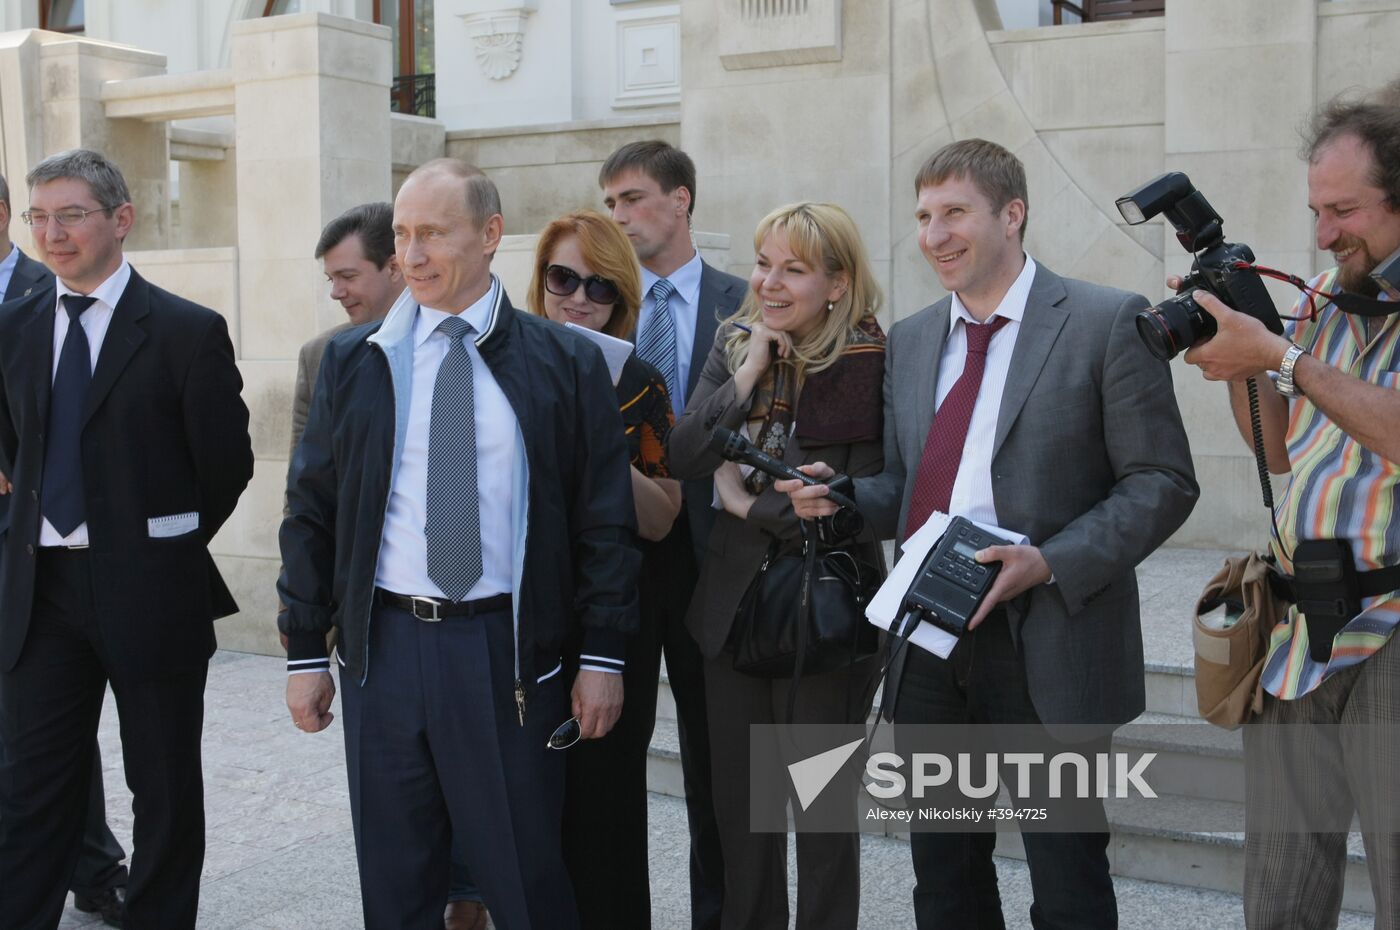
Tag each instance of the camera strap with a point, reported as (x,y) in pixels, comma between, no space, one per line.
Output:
(1356,305)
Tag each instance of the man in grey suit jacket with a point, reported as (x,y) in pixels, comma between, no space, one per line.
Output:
(649,188)
(1073,438)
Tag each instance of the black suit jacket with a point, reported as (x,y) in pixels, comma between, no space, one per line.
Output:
(721,294)
(166,433)
(27,277)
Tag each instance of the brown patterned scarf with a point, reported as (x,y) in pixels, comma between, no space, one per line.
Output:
(841,404)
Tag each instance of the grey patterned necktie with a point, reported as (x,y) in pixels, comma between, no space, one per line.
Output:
(453,522)
(656,345)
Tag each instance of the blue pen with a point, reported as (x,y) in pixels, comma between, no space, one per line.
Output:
(744,328)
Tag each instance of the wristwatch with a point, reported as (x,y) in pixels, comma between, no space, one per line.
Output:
(1285,384)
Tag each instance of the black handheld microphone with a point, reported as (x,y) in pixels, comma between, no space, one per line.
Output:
(733,447)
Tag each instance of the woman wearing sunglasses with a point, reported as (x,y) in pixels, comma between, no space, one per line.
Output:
(799,370)
(586,273)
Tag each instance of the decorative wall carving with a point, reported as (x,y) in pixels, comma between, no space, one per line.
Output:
(771,33)
(498,36)
(648,57)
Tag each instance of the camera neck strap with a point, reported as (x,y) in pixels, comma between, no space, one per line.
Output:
(1356,305)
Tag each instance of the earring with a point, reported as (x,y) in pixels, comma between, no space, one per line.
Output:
(830,306)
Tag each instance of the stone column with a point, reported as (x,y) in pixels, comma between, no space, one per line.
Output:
(50,98)
(1240,78)
(311,115)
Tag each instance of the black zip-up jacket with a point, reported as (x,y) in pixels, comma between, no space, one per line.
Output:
(580,560)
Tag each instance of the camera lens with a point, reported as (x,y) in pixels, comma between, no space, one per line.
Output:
(1173,326)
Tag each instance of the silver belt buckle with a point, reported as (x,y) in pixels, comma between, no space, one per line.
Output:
(432,602)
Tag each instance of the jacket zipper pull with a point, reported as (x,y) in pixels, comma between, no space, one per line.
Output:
(520,701)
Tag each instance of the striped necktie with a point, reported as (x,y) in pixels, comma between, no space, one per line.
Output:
(656,344)
(453,522)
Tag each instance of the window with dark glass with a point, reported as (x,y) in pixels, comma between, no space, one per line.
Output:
(413,89)
(61,15)
(281,7)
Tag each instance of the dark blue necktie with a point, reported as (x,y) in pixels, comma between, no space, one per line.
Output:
(453,520)
(63,502)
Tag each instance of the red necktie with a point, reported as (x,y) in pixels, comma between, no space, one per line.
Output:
(938,466)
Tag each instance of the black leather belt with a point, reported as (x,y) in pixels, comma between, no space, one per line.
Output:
(433,609)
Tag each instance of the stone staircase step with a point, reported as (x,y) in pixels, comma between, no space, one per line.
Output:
(1153,839)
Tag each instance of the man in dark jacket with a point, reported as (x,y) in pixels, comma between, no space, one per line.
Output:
(99,881)
(460,499)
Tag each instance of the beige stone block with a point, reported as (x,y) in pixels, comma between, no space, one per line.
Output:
(296,47)
(208,203)
(916,105)
(254,586)
(533,196)
(810,34)
(914,283)
(268,230)
(1230,513)
(1148,235)
(595,145)
(1269,95)
(348,182)
(1210,24)
(267,390)
(252,529)
(353,125)
(1045,178)
(904,169)
(1261,195)
(999,119)
(278,304)
(1114,259)
(968,76)
(1355,51)
(206,276)
(1108,163)
(513,150)
(1205,409)
(1064,231)
(414,140)
(1102,80)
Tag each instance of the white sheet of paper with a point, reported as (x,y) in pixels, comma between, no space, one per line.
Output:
(885,608)
(615,351)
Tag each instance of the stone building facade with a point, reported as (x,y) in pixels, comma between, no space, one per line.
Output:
(243,134)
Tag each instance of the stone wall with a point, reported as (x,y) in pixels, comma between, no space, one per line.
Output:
(544,171)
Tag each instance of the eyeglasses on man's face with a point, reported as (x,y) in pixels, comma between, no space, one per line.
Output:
(38,219)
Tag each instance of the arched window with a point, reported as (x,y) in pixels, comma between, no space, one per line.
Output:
(61,15)
(279,7)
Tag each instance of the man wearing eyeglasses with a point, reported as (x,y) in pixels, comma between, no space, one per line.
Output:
(99,881)
(123,432)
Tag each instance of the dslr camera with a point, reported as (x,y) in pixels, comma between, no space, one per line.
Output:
(1178,323)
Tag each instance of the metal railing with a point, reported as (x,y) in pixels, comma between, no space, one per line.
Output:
(1098,11)
(414,93)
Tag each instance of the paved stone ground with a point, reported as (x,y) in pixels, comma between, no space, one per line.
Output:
(281,855)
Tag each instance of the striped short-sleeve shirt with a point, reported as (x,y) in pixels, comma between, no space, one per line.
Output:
(1337,489)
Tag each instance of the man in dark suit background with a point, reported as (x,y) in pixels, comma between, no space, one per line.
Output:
(1023,400)
(99,880)
(123,432)
(19,274)
(649,188)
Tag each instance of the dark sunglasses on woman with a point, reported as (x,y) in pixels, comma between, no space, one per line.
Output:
(563,281)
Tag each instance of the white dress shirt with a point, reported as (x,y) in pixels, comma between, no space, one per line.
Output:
(684,305)
(94,320)
(7,269)
(403,554)
(972,489)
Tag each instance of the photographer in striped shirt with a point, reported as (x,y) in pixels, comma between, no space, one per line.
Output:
(1334,427)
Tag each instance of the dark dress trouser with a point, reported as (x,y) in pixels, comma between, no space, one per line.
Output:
(99,854)
(49,709)
(434,750)
(983,681)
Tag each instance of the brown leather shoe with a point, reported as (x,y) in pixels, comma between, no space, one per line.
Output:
(464,915)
